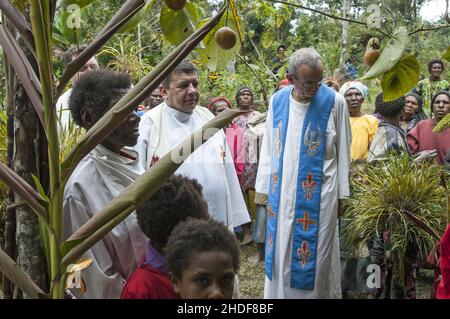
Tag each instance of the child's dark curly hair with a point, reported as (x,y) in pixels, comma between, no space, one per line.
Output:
(435,61)
(97,90)
(179,198)
(194,236)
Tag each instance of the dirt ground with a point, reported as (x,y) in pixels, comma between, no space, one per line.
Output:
(251,278)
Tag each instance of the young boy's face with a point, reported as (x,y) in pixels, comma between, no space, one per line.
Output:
(210,275)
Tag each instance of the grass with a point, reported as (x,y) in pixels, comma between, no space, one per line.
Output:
(251,277)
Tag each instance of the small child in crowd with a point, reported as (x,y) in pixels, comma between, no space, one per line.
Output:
(202,258)
(178,199)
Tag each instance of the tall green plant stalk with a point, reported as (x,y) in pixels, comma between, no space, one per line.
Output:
(40,21)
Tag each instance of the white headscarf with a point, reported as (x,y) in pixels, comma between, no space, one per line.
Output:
(354,85)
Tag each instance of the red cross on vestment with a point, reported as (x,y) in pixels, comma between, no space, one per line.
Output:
(304,253)
(274,181)
(271,212)
(306,221)
(309,186)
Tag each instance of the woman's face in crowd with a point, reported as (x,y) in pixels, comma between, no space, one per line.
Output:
(436,70)
(354,99)
(441,106)
(245,100)
(411,106)
(219,107)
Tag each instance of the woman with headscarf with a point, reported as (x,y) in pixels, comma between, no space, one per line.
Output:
(363,126)
(413,112)
(234,134)
(423,138)
(244,100)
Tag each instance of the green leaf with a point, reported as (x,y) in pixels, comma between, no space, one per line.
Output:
(40,188)
(390,55)
(267,39)
(178,25)
(62,32)
(279,21)
(212,55)
(59,40)
(133,22)
(446,55)
(401,78)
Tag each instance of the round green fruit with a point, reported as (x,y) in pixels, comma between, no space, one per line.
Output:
(226,38)
(175,5)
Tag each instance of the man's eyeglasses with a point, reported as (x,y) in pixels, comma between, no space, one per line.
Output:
(308,85)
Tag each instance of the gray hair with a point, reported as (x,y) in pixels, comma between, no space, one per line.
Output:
(307,56)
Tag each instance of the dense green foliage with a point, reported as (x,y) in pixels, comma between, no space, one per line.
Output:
(266,25)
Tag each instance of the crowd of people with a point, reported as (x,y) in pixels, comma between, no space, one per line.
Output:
(278,178)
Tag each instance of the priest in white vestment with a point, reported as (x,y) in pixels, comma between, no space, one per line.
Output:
(102,175)
(168,124)
(305,73)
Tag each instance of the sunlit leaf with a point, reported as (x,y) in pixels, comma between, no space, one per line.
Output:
(40,188)
(81,264)
(401,78)
(267,39)
(390,55)
(186,22)
(279,20)
(63,31)
(446,55)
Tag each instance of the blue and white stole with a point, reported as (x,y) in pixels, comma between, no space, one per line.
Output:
(309,183)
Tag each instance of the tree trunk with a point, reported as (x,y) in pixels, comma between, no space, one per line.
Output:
(345,25)
(26,162)
(9,246)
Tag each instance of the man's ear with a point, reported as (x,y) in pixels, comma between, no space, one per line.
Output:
(86,118)
(290,78)
(175,283)
(163,90)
